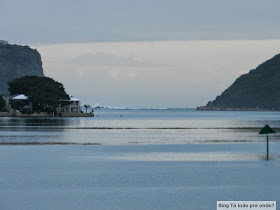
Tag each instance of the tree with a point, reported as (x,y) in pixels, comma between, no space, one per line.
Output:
(43,92)
(87,106)
(2,103)
(17,104)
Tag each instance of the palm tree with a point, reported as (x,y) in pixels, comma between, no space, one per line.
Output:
(87,106)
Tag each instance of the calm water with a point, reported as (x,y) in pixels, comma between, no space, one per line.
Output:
(118,127)
(149,159)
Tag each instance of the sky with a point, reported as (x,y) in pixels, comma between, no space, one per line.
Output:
(148,53)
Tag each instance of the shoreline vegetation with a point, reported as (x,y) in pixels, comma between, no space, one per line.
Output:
(50,101)
(25,89)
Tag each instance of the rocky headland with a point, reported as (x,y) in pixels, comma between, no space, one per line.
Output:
(259,90)
(17,61)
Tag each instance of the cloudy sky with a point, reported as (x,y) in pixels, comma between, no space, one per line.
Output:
(148,53)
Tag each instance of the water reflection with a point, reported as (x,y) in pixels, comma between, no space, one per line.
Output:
(22,122)
(143,127)
(201,156)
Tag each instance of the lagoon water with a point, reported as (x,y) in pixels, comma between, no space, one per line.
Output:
(146,159)
(118,127)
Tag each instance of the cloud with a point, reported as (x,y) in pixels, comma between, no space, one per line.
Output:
(108,59)
(146,20)
(130,74)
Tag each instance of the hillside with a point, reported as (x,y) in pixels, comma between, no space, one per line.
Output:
(257,90)
(17,61)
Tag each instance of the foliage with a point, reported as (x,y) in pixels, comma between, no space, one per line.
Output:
(259,89)
(26,112)
(17,104)
(2,103)
(87,106)
(43,92)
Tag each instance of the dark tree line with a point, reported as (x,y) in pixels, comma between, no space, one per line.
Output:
(2,103)
(43,92)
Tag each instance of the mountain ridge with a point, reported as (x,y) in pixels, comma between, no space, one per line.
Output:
(257,90)
(17,61)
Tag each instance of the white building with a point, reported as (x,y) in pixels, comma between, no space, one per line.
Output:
(73,107)
(3,42)
(23,98)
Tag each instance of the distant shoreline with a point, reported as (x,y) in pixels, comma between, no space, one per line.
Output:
(207,108)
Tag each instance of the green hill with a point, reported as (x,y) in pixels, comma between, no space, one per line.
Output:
(17,61)
(257,90)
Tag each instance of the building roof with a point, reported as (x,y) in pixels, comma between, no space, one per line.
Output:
(72,98)
(20,97)
(24,97)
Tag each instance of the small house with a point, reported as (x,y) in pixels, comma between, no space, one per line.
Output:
(20,103)
(72,108)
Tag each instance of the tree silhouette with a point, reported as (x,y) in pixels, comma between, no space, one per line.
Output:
(43,92)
